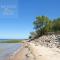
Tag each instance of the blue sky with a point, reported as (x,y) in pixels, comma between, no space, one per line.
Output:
(16,16)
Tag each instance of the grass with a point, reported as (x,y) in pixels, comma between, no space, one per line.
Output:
(12,41)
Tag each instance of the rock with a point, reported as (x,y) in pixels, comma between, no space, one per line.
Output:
(49,40)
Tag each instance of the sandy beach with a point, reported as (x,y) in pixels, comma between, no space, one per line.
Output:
(21,54)
(31,51)
(44,53)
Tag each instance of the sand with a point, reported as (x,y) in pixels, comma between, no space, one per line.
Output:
(23,54)
(31,51)
(44,53)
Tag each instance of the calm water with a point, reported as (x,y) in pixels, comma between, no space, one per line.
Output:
(7,49)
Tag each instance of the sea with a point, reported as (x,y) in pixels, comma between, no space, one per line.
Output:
(6,49)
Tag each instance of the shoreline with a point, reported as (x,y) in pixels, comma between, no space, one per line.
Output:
(14,53)
(31,51)
(19,54)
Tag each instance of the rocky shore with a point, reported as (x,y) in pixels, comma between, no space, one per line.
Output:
(43,48)
(49,40)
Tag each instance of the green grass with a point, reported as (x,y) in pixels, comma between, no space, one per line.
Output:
(12,41)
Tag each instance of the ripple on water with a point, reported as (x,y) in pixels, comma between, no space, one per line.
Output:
(7,49)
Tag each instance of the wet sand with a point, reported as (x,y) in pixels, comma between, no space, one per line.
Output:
(23,54)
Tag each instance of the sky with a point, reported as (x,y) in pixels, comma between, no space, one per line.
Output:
(16,16)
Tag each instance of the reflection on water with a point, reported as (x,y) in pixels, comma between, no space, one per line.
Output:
(7,48)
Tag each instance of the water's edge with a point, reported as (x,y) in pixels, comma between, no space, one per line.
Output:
(9,50)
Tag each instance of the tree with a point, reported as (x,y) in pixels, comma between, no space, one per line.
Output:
(40,22)
(56,25)
(48,27)
(33,35)
(42,25)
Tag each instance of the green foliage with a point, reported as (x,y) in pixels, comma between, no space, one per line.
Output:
(11,41)
(56,26)
(40,22)
(33,35)
(43,25)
